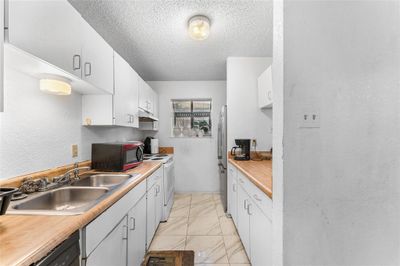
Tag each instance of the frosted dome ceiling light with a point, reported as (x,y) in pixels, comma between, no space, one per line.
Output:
(199,27)
(55,86)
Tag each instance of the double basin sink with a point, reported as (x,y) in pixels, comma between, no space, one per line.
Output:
(76,198)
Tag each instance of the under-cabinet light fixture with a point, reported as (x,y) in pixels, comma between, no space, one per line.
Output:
(56,86)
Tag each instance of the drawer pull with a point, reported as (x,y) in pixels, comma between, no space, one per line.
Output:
(249,212)
(234,187)
(125,233)
(245,204)
(241,181)
(256,197)
(133,223)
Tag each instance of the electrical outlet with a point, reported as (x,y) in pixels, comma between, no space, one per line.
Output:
(74,150)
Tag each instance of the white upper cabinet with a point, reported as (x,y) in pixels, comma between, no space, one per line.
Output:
(148,98)
(50,30)
(97,59)
(126,93)
(55,32)
(265,89)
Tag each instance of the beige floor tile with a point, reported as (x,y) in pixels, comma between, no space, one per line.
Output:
(235,250)
(240,264)
(175,226)
(227,226)
(182,200)
(168,243)
(202,198)
(204,226)
(210,264)
(180,211)
(220,209)
(203,209)
(217,197)
(208,249)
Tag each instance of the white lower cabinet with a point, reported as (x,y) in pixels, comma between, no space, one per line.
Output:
(243,219)
(120,235)
(137,233)
(261,247)
(251,211)
(151,214)
(112,250)
(232,192)
(154,204)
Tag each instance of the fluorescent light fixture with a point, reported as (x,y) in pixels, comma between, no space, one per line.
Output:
(55,86)
(199,27)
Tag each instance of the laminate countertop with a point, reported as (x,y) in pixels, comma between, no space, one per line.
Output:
(25,239)
(258,172)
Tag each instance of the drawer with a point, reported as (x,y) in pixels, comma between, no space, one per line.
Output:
(99,228)
(258,197)
(154,177)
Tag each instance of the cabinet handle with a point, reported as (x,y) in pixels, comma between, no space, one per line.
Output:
(133,223)
(245,204)
(74,67)
(88,66)
(269,95)
(125,234)
(234,187)
(249,212)
(256,197)
(241,181)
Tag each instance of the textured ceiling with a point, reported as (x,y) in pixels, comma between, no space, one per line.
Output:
(152,35)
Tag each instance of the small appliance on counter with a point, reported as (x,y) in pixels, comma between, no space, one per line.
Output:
(241,152)
(117,156)
(150,145)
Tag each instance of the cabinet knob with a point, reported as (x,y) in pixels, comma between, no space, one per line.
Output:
(125,232)
(76,62)
(133,223)
(88,69)
(255,196)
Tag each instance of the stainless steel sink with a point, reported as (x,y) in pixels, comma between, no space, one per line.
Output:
(75,199)
(103,180)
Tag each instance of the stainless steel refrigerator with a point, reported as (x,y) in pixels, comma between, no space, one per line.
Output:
(222,155)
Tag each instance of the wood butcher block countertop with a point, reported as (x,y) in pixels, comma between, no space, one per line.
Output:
(25,239)
(258,172)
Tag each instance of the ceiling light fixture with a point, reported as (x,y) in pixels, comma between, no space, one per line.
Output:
(199,27)
(57,86)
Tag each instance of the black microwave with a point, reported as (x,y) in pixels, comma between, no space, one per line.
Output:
(116,157)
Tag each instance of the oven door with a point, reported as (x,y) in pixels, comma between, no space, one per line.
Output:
(169,181)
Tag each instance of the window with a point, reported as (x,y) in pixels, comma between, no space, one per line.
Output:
(191,118)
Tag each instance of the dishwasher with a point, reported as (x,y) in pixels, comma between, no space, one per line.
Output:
(66,254)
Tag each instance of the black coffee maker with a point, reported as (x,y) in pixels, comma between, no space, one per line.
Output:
(241,152)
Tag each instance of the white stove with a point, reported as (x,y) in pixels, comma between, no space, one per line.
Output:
(168,186)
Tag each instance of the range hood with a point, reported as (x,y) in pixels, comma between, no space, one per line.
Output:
(145,116)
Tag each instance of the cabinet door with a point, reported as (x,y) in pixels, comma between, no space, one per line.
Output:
(159,202)
(260,237)
(49,30)
(143,94)
(125,93)
(151,214)
(137,233)
(232,193)
(112,250)
(97,55)
(265,89)
(243,219)
(155,103)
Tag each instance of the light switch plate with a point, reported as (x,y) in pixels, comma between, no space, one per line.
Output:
(310,117)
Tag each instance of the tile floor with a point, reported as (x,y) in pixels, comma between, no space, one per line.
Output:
(198,222)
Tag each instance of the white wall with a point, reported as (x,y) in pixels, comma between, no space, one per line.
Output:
(38,129)
(341,181)
(196,163)
(245,119)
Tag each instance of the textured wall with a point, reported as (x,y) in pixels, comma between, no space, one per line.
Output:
(245,119)
(196,163)
(38,129)
(341,181)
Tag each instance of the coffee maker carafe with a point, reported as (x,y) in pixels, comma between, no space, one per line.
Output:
(241,152)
